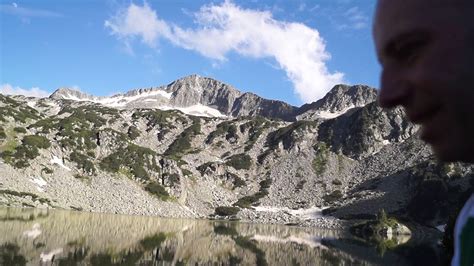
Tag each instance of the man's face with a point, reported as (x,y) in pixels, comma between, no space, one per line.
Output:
(426,50)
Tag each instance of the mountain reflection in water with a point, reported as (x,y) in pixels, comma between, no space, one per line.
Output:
(55,237)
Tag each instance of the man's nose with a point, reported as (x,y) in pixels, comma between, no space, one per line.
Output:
(393,90)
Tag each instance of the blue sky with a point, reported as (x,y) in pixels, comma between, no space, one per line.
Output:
(293,51)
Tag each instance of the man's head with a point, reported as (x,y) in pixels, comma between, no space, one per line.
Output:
(426,49)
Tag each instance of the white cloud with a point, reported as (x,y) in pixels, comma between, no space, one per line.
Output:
(356,19)
(33,92)
(220,29)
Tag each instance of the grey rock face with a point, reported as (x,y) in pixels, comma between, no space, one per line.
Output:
(190,91)
(366,130)
(68,93)
(340,98)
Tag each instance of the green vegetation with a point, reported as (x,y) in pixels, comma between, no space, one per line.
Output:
(288,135)
(203,167)
(248,201)
(17,111)
(34,197)
(227,127)
(240,161)
(238,182)
(79,130)
(47,170)
(375,231)
(172,178)
(182,143)
(133,157)
(28,150)
(333,196)
(186,172)
(45,125)
(133,132)
(36,141)
(319,163)
(19,130)
(164,120)
(82,161)
(157,190)
(255,128)
(3,135)
(337,182)
(226,211)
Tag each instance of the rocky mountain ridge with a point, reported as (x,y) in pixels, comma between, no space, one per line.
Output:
(225,100)
(84,155)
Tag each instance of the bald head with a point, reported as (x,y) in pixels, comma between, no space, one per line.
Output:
(426,49)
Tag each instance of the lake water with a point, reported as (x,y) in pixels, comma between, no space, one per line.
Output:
(56,237)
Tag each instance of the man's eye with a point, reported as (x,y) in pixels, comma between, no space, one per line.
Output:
(406,51)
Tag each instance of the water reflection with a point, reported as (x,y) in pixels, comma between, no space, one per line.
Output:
(53,237)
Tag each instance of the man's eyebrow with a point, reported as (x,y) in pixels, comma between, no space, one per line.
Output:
(390,46)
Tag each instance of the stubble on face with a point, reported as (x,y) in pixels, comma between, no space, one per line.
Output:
(441,75)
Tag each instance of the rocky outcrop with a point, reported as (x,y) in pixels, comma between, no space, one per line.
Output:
(339,100)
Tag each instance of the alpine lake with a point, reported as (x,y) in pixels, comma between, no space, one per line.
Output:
(57,237)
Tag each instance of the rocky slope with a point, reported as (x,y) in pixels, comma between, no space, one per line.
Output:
(77,151)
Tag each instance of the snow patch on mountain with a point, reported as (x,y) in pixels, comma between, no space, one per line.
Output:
(196,110)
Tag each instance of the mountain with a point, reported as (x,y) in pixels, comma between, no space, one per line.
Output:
(193,95)
(339,100)
(227,154)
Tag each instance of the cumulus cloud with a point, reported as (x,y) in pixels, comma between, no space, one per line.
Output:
(32,92)
(223,28)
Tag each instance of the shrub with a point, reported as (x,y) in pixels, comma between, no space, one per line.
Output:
(133,132)
(36,141)
(238,182)
(28,150)
(286,134)
(157,190)
(226,127)
(182,143)
(19,129)
(47,170)
(203,167)
(247,201)
(140,172)
(186,172)
(319,163)
(226,211)
(132,157)
(240,161)
(265,184)
(82,162)
(3,135)
(337,182)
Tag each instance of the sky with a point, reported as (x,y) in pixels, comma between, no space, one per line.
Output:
(289,50)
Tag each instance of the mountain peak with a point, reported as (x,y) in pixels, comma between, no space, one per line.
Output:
(338,100)
(71,94)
